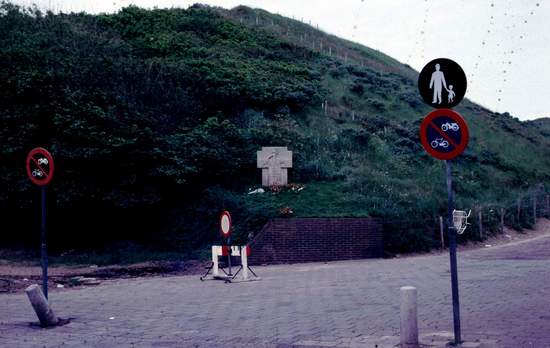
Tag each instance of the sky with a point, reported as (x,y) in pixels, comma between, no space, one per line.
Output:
(502,45)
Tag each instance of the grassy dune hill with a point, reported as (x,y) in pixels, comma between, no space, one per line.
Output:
(155,117)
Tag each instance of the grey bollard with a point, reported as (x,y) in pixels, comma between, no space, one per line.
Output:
(409,320)
(41,306)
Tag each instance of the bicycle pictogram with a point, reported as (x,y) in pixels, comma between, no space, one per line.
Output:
(450,126)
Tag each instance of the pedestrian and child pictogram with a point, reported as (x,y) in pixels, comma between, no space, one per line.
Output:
(442,83)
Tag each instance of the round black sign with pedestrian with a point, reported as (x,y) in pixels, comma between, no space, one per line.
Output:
(442,83)
(444,134)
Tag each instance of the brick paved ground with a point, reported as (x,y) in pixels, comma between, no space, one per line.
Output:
(505,294)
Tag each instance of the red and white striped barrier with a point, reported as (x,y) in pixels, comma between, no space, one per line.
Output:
(224,251)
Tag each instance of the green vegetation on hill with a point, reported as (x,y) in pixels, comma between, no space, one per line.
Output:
(154,118)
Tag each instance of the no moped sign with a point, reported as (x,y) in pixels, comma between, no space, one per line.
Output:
(40,166)
(444,134)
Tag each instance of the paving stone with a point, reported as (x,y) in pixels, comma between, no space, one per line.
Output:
(503,290)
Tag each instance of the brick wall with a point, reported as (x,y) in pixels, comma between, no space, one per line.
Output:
(317,239)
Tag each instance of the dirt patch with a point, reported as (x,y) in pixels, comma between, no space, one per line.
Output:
(14,277)
(534,246)
(510,236)
(507,237)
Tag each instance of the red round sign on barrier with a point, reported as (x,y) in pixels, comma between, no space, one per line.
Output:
(40,166)
(444,134)
(225,224)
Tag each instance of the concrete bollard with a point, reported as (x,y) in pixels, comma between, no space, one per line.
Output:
(41,306)
(409,319)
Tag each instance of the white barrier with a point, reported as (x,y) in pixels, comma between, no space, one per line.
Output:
(223,250)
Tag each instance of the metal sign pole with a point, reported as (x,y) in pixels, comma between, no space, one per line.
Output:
(44,248)
(452,253)
(229,255)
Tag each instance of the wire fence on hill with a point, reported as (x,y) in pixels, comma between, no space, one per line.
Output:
(491,219)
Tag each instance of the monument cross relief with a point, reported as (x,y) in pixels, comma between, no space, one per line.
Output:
(274,162)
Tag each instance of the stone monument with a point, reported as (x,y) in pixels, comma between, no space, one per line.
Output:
(274,162)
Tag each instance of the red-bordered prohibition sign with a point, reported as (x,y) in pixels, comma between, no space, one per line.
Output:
(225,223)
(444,134)
(40,166)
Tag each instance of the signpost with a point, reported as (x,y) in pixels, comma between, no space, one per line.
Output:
(225,228)
(444,135)
(40,169)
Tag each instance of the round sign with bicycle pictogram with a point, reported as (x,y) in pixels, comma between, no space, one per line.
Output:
(40,166)
(444,134)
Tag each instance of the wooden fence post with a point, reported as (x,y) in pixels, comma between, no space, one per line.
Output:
(442,236)
(535,209)
(480,225)
(502,220)
(519,211)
